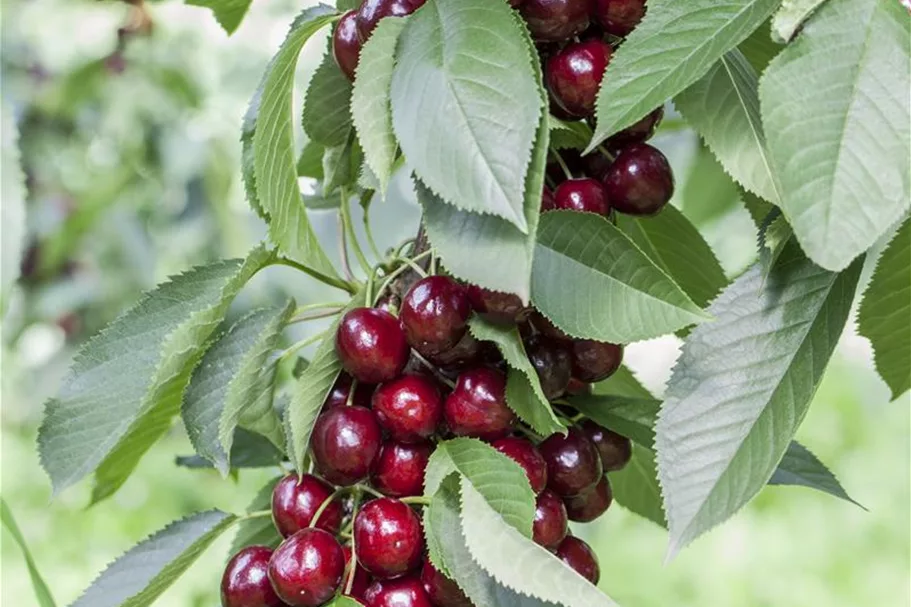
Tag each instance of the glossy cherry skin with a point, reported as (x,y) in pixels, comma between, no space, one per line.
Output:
(524,453)
(618,17)
(552,359)
(551,523)
(409,408)
(306,569)
(594,361)
(505,308)
(442,591)
(388,537)
(338,396)
(295,500)
(545,327)
(574,75)
(245,582)
(399,469)
(555,20)
(547,200)
(467,353)
(573,462)
(640,181)
(639,132)
(371,345)
(345,442)
(346,46)
(591,503)
(615,449)
(477,405)
(371,11)
(434,314)
(579,555)
(361,577)
(405,591)
(585,195)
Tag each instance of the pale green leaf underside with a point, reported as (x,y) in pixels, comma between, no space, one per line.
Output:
(799,467)
(228,13)
(836,110)
(12,193)
(636,488)
(42,593)
(327,117)
(791,16)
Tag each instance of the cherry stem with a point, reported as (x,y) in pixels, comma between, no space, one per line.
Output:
(370,490)
(256,514)
(350,400)
(325,504)
(529,433)
(370,241)
(436,372)
(349,583)
(396,273)
(349,226)
(418,500)
(344,285)
(343,248)
(604,151)
(562,163)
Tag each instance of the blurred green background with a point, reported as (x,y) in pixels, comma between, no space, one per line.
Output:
(130,143)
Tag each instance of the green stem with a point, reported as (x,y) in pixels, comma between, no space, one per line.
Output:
(338,283)
(605,151)
(370,241)
(325,504)
(534,436)
(395,274)
(562,163)
(349,583)
(349,226)
(343,247)
(257,514)
(419,500)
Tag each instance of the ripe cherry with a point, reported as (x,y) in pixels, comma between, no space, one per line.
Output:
(574,75)
(399,469)
(371,11)
(585,195)
(346,46)
(435,314)
(361,577)
(640,181)
(388,537)
(467,353)
(577,386)
(579,555)
(546,327)
(245,582)
(345,442)
(555,20)
(618,17)
(306,568)
(552,359)
(524,453)
(591,503)
(409,408)
(296,499)
(405,591)
(495,306)
(547,200)
(639,132)
(615,450)
(594,361)
(442,591)
(477,406)
(371,345)
(573,462)
(551,523)
(338,396)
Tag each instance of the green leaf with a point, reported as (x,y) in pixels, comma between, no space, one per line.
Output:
(787,21)
(275,170)
(340,167)
(138,577)
(228,13)
(835,108)
(126,383)
(248,450)
(621,383)
(675,44)
(678,248)
(759,48)
(463,74)
(42,593)
(799,467)
(12,211)
(344,601)
(371,105)
(248,155)
(636,488)
(523,388)
(758,208)
(709,192)
(631,417)
(574,135)
(774,234)
(310,161)
(742,386)
(258,531)
(885,310)
(619,294)
(327,113)
(347,5)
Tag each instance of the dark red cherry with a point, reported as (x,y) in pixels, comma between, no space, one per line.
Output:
(338,396)
(371,345)
(495,306)
(594,361)
(640,181)
(306,569)
(546,327)
(345,442)
(409,408)
(618,17)
(591,503)
(361,577)
(573,462)
(551,523)
(296,499)
(477,405)
(442,591)
(245,582)
(524,453)
(574,75)
(615,449)
(552,359)
(639,132)
(388,537)
(346,46)
(585,195)
(596,165)
(399,469)
(555,20)
(577,386)
(435,314)
(405,591)
(579,555)
(371,11)
(547,200)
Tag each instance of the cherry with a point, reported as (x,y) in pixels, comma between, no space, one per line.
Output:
(555,20)
(596,165)
(402,592)
(409,408)
(307,568)
(345,442)
(577,386)
(346,46)
(546,327)
(245,582)
(468,352)
(524,453)
(640,181)
(552,359)
(574,75)
(591,503)
(371,345)
(547,200)
(371,11)
(338,396)
(639,132)
(551,524)
(477,405)
(388,537)
(618,17)
(442,591)
(505,308)
(573,462)
(435,314)
(296,499)
(579,555)
(615,450)
(594,361)
(585,195)
(399,469)
(361,578)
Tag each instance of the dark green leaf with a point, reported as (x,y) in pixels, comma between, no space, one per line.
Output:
(799,467)
(228,13)
(42,593)
(636,488)
(310,161)
(340,166)
(327,113)
(248,450)
(759,48)
(575,135)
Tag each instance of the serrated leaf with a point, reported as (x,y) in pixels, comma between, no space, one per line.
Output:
(742,386)
(138,577)
(228,13)
(774,234)
(835,108)
(574,135)
(758,208)
(675,44)
(885,310)
(248,155)
(258,531)
(327,113)
(789,18)
(42,592)
(340,167)
(619,294)
(310,161)
(126,383)
(759,48)
(12,211)
(248,450)
(634,418)
(636,488)
(799,467)
(371,106)
(463,73)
